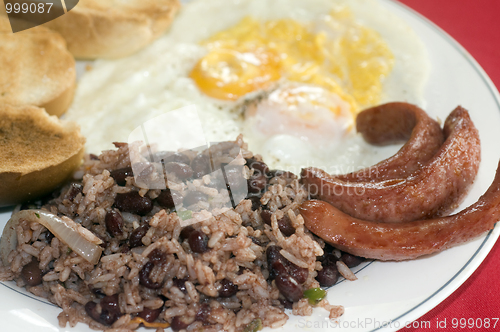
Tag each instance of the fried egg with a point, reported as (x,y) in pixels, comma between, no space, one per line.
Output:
(291,75)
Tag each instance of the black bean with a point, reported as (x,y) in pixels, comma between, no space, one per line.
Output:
(186,232)
(285,226)
(298,273)
(114,223)
(74,190)
(203,313)
(201,166)
(150,315)
(284,223)
(328,248)
(31,273)
(144,277)
(289,287)
(227,288)
(157,256)
(327,252)
(109,313)
(273,254)
(110,304)
(256,183)
(181,171)
(91,310)
(181,284)
(351,260)
(255,202)
(181,322)
(134,203)
(275,261)
(276,268)
(278,265)
(198,241)
(328,276)
(284,266)
(266,216)
(106,318)
(330,259)
(121,175)
(194,197)
(287,304)
(135,239)
(177,158)
(259,167)
(256,241)
(167,198)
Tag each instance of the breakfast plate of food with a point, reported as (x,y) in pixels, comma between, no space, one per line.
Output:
(302,165)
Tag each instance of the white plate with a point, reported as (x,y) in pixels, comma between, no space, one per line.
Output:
(387,295)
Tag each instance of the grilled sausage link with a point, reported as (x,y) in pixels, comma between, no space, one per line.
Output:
(394,123)
(433,190)
(389,241)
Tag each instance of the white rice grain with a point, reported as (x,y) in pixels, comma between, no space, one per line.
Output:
(30,250)
(345,271)
(214,239)
(293,259)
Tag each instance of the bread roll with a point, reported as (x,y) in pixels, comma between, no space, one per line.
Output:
(38,152)
(36,69)
(113,28)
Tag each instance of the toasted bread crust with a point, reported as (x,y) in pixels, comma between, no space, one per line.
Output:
(112,29)
(38,151)
(36,69)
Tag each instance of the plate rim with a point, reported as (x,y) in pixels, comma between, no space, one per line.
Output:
(490,239)
(478,257)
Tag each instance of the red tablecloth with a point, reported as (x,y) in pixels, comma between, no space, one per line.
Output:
(476,26)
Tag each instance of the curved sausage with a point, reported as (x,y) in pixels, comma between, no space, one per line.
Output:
(389,241)
(394,123)
(433,190)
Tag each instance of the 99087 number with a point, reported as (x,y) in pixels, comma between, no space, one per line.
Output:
(28,8)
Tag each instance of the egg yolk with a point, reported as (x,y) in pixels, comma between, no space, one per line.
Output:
(339,55)
(308,112)
(229,74)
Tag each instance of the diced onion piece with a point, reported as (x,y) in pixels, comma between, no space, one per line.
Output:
(79,239)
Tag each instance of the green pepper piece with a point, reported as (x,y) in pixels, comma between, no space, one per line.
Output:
(254,326)
(185,214)
(315,295)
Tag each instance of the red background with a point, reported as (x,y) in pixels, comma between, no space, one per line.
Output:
(476,26)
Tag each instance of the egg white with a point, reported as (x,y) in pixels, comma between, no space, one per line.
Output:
(117,96)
